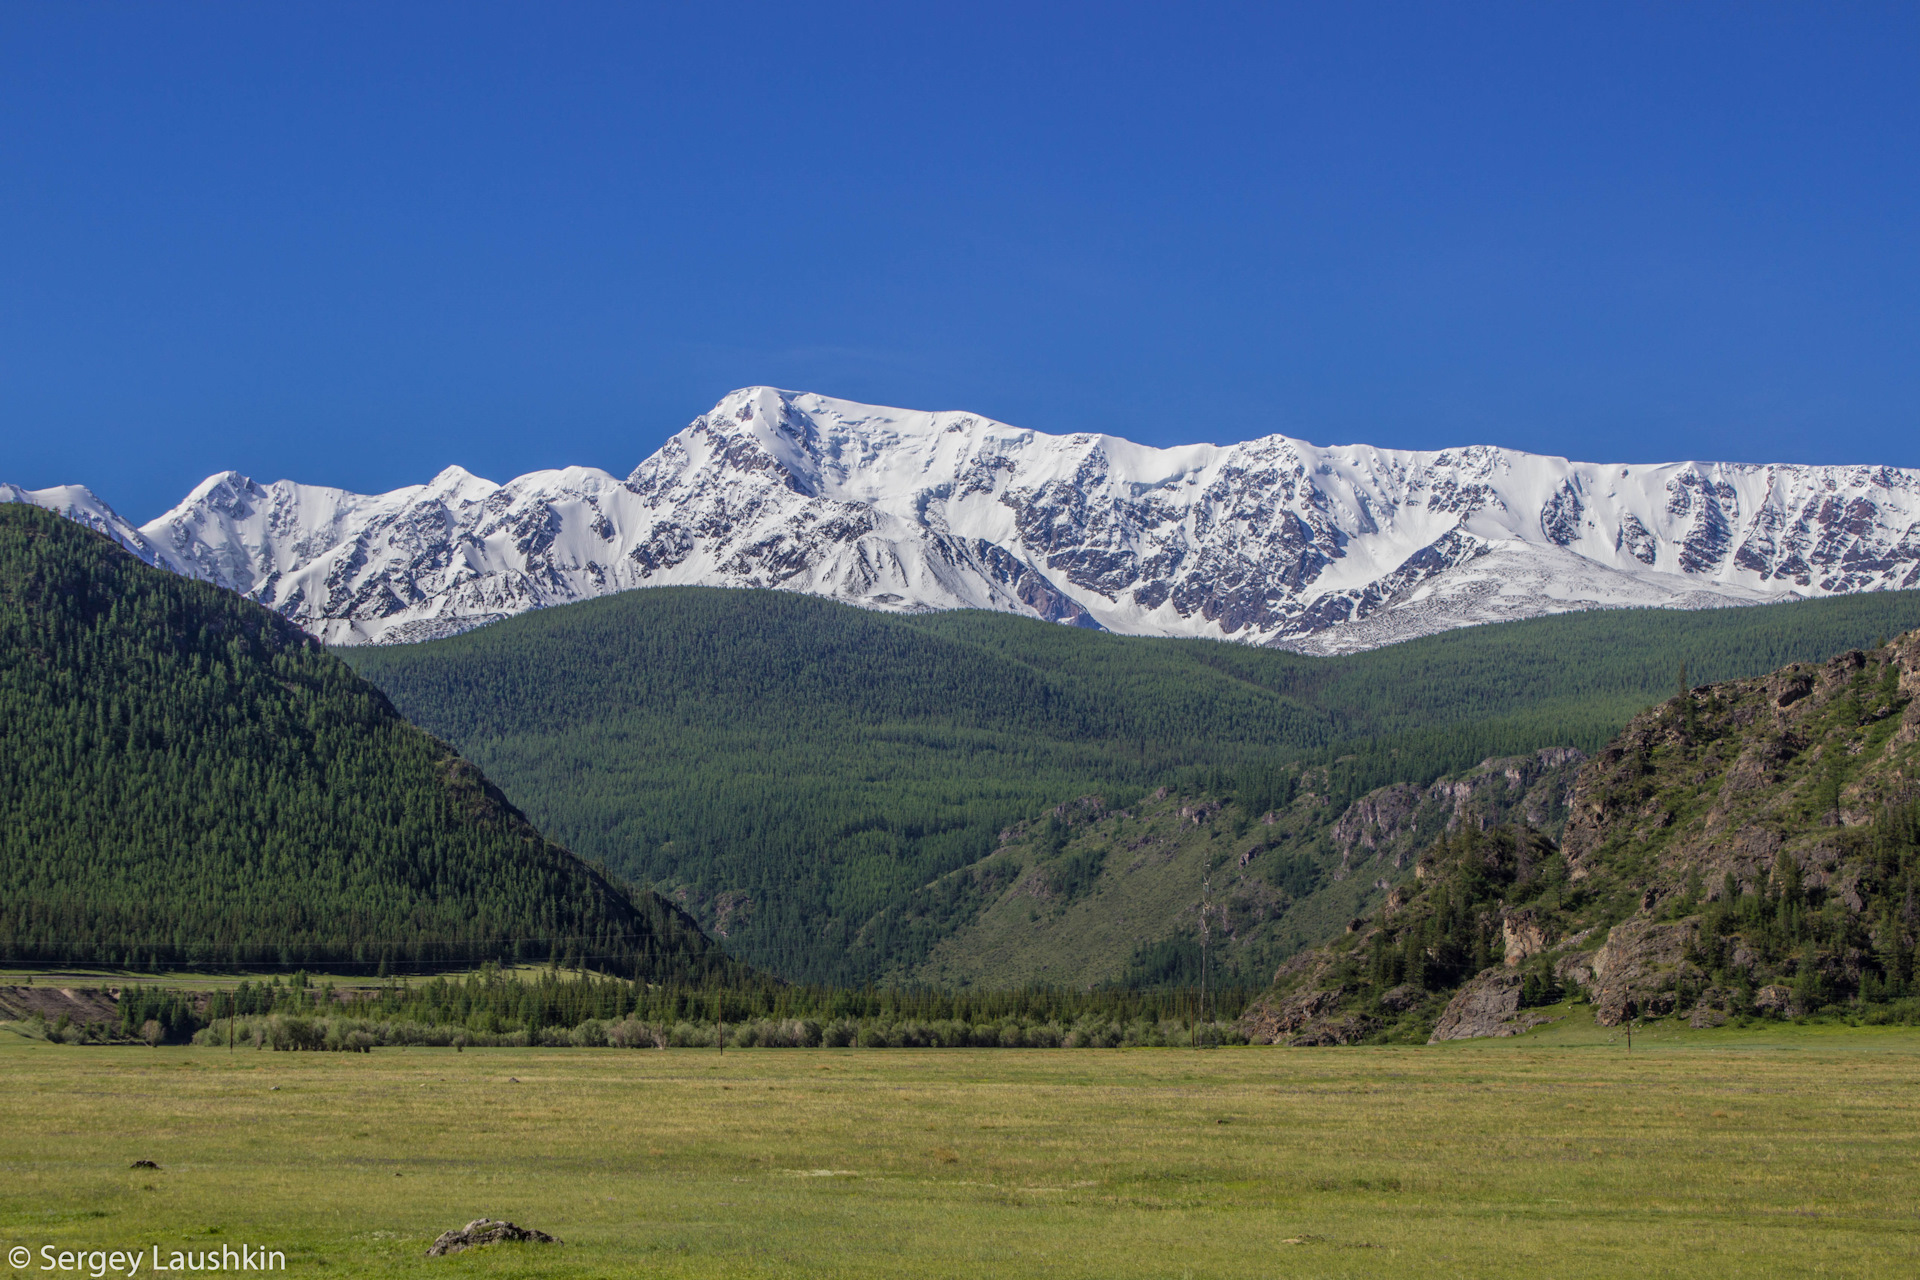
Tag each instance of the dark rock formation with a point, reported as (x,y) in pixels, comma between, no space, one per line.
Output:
(485,1231)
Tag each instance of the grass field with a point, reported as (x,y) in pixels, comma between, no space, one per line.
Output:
(1789,1151)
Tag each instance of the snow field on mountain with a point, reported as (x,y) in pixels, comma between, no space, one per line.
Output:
(1271,541)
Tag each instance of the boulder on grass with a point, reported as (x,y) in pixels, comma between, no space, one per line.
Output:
(485,1231)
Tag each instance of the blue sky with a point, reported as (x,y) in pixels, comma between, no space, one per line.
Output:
(352,244)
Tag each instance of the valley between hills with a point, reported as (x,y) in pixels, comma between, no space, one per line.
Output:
(757,789)
(936,642)
(1525,929)
(850,797)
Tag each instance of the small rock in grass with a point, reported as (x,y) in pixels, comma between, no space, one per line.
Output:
(485,1231)
(143,1164)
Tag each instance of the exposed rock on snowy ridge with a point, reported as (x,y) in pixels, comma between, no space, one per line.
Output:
(80,504)
(1273,541)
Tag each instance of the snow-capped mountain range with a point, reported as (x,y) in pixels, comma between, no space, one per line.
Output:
(1272,541)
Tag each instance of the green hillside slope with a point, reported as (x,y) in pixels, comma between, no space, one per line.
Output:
(795,770)
(1087,894)
(186,778)
(1745,847)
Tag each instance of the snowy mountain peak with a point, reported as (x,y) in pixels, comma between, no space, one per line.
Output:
(458,480)
(1272,540)
(79,503)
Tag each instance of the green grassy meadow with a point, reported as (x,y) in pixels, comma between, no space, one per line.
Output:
(1785,1151)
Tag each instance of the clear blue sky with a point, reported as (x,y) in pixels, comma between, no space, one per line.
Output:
(349,244)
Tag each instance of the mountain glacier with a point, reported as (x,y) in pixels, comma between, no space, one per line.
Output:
(1273,541)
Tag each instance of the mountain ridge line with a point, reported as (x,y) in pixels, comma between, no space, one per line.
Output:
(1270,541)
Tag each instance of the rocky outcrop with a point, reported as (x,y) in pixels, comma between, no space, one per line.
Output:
(1786,761)
(1634,970)
(76,1004)
(1522,934)
(1382,829)
(1488,1005)
(1706,1015)
(1350,1028)
(1375,825)
(485,1231)
(1279,1023)
(1311,1014)
(1756,748)
(1743,849)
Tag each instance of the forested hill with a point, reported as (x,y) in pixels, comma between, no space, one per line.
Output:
(1749,847)
(186,778)
(796,771)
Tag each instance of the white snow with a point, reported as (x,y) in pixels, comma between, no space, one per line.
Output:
(79,503)
(1274,540)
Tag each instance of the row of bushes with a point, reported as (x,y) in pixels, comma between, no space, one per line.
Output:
(66,1031)
(361,1035)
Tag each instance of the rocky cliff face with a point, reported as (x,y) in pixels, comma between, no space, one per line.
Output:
(1381,832)
(1272,541)
(1081,893)
(1748,847)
